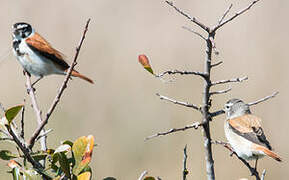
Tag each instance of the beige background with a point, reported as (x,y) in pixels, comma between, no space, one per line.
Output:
(121,109)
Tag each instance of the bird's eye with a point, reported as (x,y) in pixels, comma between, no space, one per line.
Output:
(227,106)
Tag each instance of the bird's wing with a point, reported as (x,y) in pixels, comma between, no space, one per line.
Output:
(249,127)
(42,47)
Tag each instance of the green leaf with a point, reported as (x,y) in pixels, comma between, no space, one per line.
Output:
(7,155)
(109,178)
(64,164)
(16,173)
(12,112)
(149,178)
(70,143)
(40,155)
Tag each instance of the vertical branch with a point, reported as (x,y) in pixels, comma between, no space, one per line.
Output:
(205,110)
(36,109)
(185,170)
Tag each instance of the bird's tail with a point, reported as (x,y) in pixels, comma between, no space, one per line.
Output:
(269,153)
(77,74)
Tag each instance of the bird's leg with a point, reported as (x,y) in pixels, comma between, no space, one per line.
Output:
(38,79)
(256,162)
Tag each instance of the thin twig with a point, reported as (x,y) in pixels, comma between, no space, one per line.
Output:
(192,19)
(221,92)
(141,177)
(234,16)
(263,174)
(61,90)
(263,99)
(182,73)
(22,121)
(36,165)
(225,14)
(195,125)
(216,64)
(30,91)
(230,81)
(219,112)
(44,134)
(179,102)
(253,171)
(185,170)
(195,32)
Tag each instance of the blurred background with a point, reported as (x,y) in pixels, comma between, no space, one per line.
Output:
(121,109)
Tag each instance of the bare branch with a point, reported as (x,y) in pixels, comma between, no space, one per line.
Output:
(61,90)
(225,14)
(179,102)
(44,134)
(182,73)
(22,121)
(195,125)
(253,171)
(192,19)
(195,32)
(234,16)
(36,165)
(217,64)
(185,170)
(230,81)
(217,113)
(141,177)
(263,174)
(30,91)
(221,92)
(263,99)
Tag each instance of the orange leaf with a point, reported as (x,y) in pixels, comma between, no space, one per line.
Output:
(12,164)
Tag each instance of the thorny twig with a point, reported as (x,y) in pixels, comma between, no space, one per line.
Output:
(230,81)
(217,113)
(192,19)
(234,16)
(195,32)
(221,92)
(182,73)
(195,125)
(179,102)
(263,99)
(225,14)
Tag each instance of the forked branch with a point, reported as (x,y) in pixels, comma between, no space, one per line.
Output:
(234,16)
(195,125)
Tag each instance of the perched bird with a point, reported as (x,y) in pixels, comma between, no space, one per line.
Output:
(244,132)
(36,55)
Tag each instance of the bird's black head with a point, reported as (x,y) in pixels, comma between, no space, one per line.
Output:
(21,30)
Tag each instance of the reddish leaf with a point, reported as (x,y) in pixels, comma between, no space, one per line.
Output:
(143,59)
